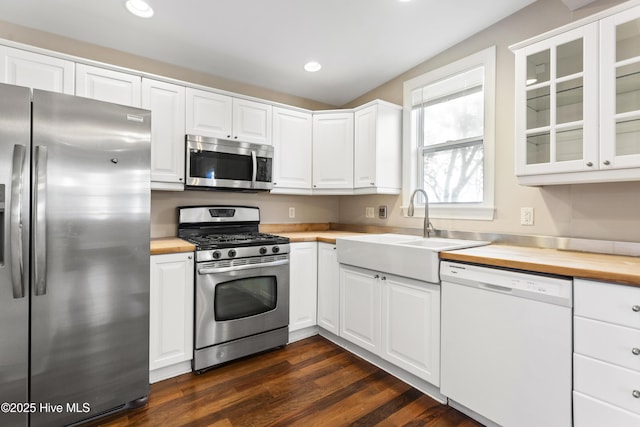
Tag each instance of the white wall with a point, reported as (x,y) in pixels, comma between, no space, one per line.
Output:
(598,211)
(274,209)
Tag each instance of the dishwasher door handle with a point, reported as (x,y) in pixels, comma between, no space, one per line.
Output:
(498,288)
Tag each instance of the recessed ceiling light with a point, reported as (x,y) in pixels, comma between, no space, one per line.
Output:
(139,8)
(312,66)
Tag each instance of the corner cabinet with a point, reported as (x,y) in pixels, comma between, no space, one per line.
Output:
(606,359)
(292,145)
(23,68)
(171,315)
(377,148)
(222,116)
(333,152)
(167,104)
(578,103)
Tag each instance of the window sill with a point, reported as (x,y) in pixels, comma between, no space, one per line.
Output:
(478,213)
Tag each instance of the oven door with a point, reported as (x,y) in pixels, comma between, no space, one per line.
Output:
(218,163)
(240,300)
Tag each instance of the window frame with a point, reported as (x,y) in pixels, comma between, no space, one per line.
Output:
(411,174)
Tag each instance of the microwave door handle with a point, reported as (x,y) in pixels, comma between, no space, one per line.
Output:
(254,164)
(15,230)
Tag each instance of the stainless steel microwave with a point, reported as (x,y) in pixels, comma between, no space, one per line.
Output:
(220,164)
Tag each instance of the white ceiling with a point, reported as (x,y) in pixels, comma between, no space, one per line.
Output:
(360,43)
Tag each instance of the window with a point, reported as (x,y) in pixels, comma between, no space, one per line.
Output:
(450,137)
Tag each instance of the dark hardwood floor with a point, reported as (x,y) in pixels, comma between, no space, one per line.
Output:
(312,382)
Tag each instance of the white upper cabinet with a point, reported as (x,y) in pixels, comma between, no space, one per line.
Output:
(333,151)
(167,104)
(620,90)
(377,149)
(221,116)
(578,102)
(23,68)
(292,144)
(556,104)
(108,85)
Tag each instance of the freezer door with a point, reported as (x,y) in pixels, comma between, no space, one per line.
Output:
(90,266)
(15,120)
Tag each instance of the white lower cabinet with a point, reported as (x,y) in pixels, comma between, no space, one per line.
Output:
(171,315)
(411,326)
(606,360)
(303,285)
(328,288)
(360,307)
(393,317)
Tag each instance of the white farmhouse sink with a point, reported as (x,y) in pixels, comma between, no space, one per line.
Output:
(404,255)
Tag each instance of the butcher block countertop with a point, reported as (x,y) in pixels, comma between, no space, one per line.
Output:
(328,236)
(610,268)
(170,245)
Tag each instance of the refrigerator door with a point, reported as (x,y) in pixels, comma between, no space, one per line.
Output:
(90,265)
(15,122)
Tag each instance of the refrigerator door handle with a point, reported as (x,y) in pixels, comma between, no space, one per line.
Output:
(17,182)
(39,221)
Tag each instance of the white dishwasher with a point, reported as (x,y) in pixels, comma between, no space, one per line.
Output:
(507,344)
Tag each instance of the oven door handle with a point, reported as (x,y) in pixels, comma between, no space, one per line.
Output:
(213,270)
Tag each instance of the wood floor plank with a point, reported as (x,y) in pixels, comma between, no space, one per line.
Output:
(312,382)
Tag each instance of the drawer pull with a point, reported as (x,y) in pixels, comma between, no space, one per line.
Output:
(636,308)
(636,394)
(636,351)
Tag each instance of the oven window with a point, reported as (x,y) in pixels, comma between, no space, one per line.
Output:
(213,165)
(245,297)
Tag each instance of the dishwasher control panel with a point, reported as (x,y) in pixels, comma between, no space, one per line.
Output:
(524,284)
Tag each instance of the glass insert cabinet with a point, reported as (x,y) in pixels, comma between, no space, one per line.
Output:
(578,103)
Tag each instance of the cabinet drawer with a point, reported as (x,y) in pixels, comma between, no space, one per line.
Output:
(607,342)
(610,383)
(607,302)
(590,412)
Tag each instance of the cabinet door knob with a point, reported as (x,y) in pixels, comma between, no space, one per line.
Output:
(636,394)
(190,257)
(636,308)
(607,162)
(589,164)
(377,276)
(635,351)
(372,183)
(384,278)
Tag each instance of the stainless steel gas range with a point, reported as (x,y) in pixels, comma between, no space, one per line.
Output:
(241,283)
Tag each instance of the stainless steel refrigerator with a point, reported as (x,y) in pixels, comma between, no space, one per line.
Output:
(74,257)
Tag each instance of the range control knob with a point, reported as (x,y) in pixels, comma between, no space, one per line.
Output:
(231,253)
(275,249)
(263,250)
(217,254)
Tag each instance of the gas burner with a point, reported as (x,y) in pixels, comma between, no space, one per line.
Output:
(215,241)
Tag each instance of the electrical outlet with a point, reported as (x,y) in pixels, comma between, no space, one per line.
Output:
(369,212)
(382,212)
(292,212)
(526,216)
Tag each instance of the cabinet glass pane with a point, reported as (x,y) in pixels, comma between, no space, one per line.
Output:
(628,88)
(538,149)
(569,58)
(538,66)
(569,101)
(628,137)
(569,145)
(628,40)
(538,107)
